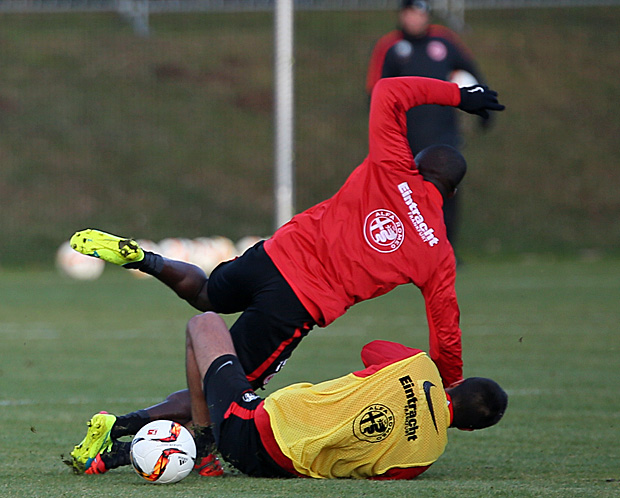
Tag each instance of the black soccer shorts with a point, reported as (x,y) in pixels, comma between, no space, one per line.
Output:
(232,405)
(272,322)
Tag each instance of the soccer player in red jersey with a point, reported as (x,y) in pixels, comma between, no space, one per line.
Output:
(383,228)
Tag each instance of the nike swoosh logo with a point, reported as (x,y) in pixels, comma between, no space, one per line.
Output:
(223,365)
(477,89)
(427,392)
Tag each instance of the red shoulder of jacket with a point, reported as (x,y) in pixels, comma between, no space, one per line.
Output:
(379,354)
(375,68)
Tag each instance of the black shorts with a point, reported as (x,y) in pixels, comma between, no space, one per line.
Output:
(273,320)
(232,405)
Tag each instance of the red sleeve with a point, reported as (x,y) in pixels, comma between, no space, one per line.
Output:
(379,352)
(409,473)
(442,312)
(375,66)
(391,99)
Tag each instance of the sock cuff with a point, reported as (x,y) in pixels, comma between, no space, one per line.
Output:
(128,425)
(152,264)
(212,370)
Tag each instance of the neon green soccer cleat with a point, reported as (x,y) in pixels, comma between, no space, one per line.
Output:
(106,246)
(97,440)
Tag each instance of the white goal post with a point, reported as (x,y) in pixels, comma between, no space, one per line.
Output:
(284,115)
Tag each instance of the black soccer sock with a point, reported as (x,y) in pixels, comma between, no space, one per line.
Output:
(205,441)
(117,456)
(128,425)
(152,264)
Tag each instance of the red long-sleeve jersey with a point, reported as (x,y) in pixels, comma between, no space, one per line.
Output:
(382,229)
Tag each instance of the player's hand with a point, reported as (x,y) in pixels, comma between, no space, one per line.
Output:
(479,99)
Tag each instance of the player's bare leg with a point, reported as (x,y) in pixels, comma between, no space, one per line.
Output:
(208,338)
(188,281)
(176,406)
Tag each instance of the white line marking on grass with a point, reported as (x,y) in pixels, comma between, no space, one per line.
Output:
(29,331)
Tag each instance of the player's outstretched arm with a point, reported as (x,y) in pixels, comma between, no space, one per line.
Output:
(188,281)
(479,99)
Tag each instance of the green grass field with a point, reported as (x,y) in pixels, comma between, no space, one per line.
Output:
(547,330)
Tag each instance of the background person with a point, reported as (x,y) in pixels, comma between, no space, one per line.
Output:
(419,48)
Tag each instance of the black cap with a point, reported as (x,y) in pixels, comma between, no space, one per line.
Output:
(416,4)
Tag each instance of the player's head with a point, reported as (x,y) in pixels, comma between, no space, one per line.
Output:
(414,16)
(423,5)
(443,166)
(477,403)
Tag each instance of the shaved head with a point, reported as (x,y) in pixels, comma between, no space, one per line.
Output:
(443,166)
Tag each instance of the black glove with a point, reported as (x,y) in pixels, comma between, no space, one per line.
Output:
(479,99)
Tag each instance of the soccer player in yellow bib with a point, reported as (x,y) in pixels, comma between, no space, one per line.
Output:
(386,421)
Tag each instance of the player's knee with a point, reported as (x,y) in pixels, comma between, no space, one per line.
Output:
(200,324)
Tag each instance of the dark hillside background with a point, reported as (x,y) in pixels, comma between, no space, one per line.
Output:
(171,135)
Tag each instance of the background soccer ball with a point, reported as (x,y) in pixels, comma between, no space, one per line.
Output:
(463,78)
(76,265)
(163,452)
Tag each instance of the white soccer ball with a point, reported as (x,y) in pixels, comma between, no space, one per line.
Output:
(463,78)
(176,248)
(208,252)
(244,243)
(77,265)
(224,248)
(205,254)
(163,452)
